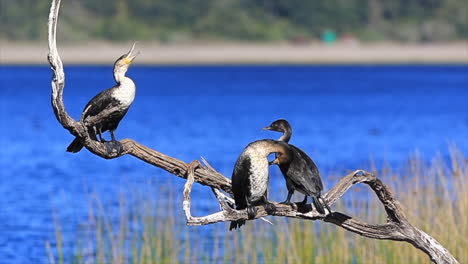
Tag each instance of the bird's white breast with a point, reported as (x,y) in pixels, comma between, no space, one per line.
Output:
(258,174)
(125,93)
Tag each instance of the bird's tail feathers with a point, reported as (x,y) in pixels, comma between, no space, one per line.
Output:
(75,146)
(320,205)
(325,205)
(236,224)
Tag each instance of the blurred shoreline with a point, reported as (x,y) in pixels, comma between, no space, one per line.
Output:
(240,53)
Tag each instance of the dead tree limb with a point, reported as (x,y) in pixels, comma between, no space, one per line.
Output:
(396,228)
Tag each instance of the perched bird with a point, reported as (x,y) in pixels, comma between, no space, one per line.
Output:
(299,170)
(250,177)
(116,100)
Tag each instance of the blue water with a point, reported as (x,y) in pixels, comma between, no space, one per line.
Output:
(341,115)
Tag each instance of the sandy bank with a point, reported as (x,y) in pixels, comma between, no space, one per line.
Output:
(105,53)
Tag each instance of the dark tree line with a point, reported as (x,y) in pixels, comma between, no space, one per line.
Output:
(261,20)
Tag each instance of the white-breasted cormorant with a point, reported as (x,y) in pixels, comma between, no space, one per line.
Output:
(119,97)
(299,171)
(250,177)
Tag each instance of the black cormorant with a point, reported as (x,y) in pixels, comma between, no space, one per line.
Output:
(250,176)
(299,170)
(119,97)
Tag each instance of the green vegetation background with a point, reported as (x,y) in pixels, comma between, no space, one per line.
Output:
(241,20)
(145,229)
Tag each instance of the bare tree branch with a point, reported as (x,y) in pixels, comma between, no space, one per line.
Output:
(396,228)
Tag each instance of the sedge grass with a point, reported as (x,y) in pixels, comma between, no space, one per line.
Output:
(434,196)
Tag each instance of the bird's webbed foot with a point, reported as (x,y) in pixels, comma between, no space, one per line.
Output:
(113,146)
(270,208)
(288,202)
(303,203)
(251,211)
(288,198)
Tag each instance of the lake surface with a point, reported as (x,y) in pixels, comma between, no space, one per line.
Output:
(343,116)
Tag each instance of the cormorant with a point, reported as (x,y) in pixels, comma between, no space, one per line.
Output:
(120,97)
(299,171)
(250,177)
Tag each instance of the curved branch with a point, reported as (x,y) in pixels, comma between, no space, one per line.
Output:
(397,226)
(58,80)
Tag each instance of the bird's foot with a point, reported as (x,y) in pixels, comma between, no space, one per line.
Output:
(251,212)
(113,147)
(302,204)
(303,207)
(270,208)
(293,205)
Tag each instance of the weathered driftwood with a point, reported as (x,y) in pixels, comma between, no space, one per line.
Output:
(396,228)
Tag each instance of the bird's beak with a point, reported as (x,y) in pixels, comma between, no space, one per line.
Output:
(266,128)
(274,162)
(130,56)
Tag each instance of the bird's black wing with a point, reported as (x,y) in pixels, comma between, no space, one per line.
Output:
(241,181)
(240,187)
(304,173)
(98,103)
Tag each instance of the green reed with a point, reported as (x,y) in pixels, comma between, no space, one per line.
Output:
(147,230)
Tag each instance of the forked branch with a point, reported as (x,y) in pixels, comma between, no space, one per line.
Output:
(396,228)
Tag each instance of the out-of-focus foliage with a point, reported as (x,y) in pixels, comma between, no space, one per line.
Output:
(263,20)
(434,197)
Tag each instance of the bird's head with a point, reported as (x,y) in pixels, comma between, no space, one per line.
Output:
(282,156)
(280,125)
(123,62)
